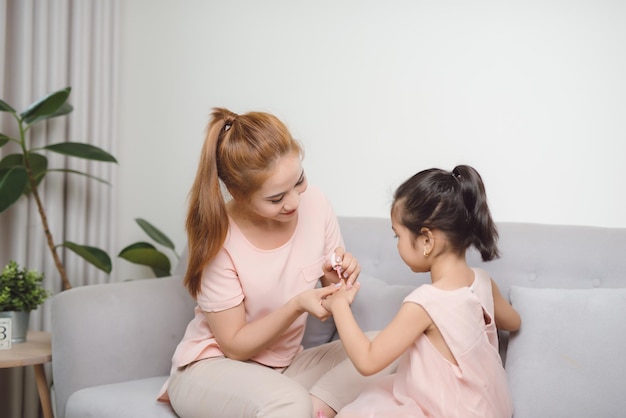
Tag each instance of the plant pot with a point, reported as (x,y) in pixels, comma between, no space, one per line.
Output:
(19,325)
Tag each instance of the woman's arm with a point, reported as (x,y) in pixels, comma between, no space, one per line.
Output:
(370,357)
(240,340)
(507,318)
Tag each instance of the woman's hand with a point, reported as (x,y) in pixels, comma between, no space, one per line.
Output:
(343,295)
(311,301)
(344,267)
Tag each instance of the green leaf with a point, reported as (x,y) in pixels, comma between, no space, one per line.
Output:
(46,107)
(82,150)
(38,165)
(136,245)
(5,107)
(13,182)
(4,140)
(145,254)
(12,160)
(67,170)
(155,233)
(92,255)
(63,110)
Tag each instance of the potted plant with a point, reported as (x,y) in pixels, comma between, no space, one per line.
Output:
(21,291)
(23,171)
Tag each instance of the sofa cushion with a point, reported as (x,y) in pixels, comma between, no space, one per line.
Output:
(132,399)
(318,332)
(568,358)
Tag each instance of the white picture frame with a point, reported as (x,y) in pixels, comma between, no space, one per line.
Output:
(5,333)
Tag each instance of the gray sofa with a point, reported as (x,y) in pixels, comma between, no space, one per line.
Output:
(112,344)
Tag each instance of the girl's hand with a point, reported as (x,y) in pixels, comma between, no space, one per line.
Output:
(342,295)
(311,301)
(343,267)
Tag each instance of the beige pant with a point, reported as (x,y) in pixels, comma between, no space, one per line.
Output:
(224,388)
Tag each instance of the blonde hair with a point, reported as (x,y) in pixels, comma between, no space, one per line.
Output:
(239,151)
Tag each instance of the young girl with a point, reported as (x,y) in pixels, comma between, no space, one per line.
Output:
(254,262)
(444,332)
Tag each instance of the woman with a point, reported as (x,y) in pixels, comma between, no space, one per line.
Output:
(255,260)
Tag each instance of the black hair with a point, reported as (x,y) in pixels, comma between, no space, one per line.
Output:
(454,202)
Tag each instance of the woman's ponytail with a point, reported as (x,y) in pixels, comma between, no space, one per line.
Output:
(207,220)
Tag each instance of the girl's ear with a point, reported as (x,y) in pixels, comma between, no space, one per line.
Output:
(428,240)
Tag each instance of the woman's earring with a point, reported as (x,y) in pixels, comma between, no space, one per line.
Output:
(426,254)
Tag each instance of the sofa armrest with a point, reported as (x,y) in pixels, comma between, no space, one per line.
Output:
(116,332)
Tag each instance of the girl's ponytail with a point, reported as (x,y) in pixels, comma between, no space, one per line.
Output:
(484,234)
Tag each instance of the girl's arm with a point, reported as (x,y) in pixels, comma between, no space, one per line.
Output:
(240,340)
(370,357)
(507,318)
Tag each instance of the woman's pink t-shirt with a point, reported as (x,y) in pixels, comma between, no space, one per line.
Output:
(263,280)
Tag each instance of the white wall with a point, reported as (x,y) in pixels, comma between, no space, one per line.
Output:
(531,93)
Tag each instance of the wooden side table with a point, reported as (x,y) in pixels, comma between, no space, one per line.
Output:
(36,351)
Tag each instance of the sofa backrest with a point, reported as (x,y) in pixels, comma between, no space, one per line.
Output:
(532,255)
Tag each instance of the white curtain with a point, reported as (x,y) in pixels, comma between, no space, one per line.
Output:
(47,45)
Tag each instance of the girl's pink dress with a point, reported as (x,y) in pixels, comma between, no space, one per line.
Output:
(428,385)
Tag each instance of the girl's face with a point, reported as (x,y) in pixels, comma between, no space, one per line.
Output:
(408,245)
(279,196)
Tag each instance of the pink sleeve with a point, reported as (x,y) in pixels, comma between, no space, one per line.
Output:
(220,287)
